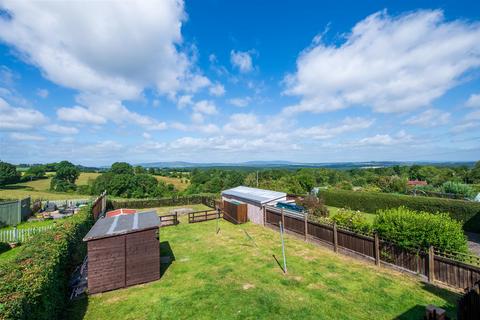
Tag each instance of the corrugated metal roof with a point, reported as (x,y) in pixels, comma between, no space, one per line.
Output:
(122,224)
(253,194)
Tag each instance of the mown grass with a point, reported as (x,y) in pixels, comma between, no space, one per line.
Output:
(39,189)
(168,209)
(180,184)
(234,275)
(9,255)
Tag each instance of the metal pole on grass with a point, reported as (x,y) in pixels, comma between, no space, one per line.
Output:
(283,249)
(218,216)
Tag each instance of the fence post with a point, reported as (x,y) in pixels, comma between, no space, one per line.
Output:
(15,234)
(377,250)
(306,225)
(431,268)
(264,215)
(283,217)
(335,237)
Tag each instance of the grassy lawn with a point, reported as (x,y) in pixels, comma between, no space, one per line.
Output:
(369,216)
(180,184)
(39,189)
(9,255)
(167,209)
(230,276)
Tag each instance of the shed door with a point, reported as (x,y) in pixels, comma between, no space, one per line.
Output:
(143,257)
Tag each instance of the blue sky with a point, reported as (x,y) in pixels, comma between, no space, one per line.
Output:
(231,81)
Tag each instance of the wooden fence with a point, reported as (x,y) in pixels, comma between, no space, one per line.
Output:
(99,206)
(14,212)
(204,215)
(456,270)
(468,307)
(169,220)
(20,235)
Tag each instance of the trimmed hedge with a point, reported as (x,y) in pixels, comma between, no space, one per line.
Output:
(34,285)
(464,211)
(206,198)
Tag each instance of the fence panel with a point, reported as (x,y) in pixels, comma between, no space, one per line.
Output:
(204,215)
(411,260)
(469,304)
(356,242)
(455,273)
(9,213)
(321,232)
(273,218)
(20,235)
(294,224)
(169,220)
(25,210)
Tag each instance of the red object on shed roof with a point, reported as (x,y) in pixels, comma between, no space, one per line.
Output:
(114,213)
(417,183)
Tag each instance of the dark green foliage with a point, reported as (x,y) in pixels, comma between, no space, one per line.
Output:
(65,177)
(315,206)
(34,173)
(214,180)
(458,188)
(4,247)
(34,285)
(8,174)
(416,229)
(475,173)
(464,211)
(353,220)
(206,198)
(121,168)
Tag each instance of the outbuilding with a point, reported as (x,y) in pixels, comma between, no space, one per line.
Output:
(123,250)
(255,198)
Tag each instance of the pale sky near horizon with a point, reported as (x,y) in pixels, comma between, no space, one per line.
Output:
(231,81)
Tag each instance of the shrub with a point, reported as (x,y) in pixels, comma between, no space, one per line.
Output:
(314,205)
(352,219)
(458,188)
(4,247)
(35,284)
(412,229)
(206,198)
(466,212)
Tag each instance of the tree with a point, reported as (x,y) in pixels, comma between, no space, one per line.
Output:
(475,173)
(65,177)
(121,168)
(8,173)
(35,172)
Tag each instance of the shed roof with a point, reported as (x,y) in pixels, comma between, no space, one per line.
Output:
(122,224)
(261,196)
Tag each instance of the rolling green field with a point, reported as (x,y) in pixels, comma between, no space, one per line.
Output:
(39,189)
(234,275)
(180,184)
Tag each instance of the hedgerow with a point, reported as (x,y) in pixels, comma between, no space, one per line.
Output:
(467,212)
(413,229)
(206,198)
(34,285)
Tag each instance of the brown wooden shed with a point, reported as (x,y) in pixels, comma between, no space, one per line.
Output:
(234,211)
(122,251)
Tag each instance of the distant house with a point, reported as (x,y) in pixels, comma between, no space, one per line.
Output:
(414,183)
(255,199)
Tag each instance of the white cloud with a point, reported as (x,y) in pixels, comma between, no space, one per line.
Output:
(392,64)
(385,139)
(146,135)
(42,93)
(12,118)
(217,90)
(184,101)
(205,107)
(462,127)
(241,60)
(244,124)
(475,115)
(240,102)
(329,131)
(429,118)
(61,129)
(155,103)
(473,101)
(80,114)
(25,137)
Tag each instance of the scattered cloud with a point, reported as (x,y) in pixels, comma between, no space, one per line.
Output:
(244,124)
(184,101)
(240,102)
(217,90)
(12,118)
(473,101)
(19,136)
(80,115)
(42,93)
(389,63)
(332,130)
(241,60)
(429,118)
(385,139)
(146,135)
(61,129)
(205,107)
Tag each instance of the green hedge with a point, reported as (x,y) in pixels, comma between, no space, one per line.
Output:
(34,285)
(465,211)
(206,198)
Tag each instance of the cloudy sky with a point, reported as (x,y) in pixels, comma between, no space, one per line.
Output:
(231,81)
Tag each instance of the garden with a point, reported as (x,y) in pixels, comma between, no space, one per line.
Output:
(234,274)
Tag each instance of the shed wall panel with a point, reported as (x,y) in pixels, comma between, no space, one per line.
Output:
(143,257)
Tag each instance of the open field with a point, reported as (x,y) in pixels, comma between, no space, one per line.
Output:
(39,189)
(234,275)
(180,184)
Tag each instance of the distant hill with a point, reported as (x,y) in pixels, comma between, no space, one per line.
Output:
(293,165)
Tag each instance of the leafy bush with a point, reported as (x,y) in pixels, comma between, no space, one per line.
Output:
(206,198)
(314,205)
(415,229)
(458,188)
(35,284)
(464,211)
(4,247)
(352,219)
